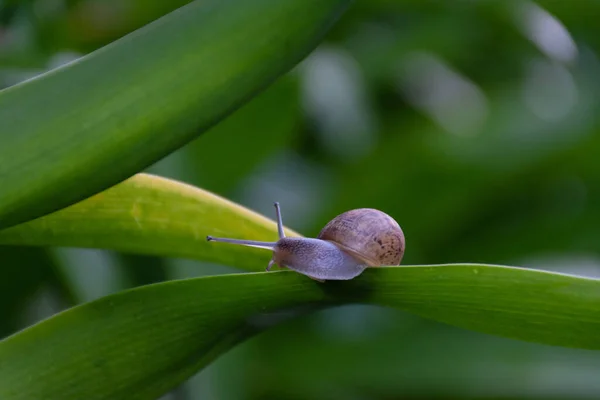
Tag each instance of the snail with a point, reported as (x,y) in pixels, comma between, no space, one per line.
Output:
(345,247)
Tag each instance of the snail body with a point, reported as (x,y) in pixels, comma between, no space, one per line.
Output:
(319,259)
(345,247)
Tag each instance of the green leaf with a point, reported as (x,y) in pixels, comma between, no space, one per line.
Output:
(276,129)
(147,214)
(84,127)
(140,343)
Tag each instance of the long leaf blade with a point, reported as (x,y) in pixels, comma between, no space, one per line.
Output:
(524,304)
(139,343)
(81,128)
(148,214)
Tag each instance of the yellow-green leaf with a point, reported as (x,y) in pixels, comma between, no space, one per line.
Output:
(147,214)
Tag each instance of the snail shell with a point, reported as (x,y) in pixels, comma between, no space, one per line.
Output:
(370,235)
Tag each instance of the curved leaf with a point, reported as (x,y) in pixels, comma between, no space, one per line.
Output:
(140,343)
(147,214)
(81,128)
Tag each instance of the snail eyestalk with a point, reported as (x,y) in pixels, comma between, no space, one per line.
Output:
(279,221)
(255,243)
(250,243)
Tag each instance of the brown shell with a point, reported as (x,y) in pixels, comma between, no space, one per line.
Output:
(370,234)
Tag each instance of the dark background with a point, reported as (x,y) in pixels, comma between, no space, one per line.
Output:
(473,123)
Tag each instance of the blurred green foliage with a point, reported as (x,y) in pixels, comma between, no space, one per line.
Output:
(473,123)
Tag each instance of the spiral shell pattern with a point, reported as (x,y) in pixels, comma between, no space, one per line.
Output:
(369,234)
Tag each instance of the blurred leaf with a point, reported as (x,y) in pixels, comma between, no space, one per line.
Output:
(255,131)
(151,215)
(150,339)
(18,288)
(143,269)
(251,134)
(82,29)
(316,357)
(86,126)
(468,187)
